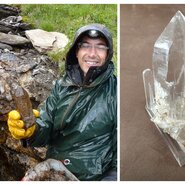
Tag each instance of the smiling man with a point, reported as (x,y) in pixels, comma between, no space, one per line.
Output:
(78,121)
(92,52)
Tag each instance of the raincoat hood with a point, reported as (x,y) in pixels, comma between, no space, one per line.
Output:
(72,61)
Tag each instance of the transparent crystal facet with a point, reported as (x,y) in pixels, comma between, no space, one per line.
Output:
(165,84)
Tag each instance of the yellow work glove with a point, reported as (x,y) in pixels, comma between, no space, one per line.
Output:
(16,125)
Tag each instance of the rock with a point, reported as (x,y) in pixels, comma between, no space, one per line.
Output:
(13,24)
(14,164)
(13,39)
(5,28)
(16,145)
(7,10)
(36,73)
(44,41)
(5,46)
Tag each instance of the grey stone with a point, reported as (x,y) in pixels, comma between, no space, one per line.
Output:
(13,39)
(7,10)
(5,46)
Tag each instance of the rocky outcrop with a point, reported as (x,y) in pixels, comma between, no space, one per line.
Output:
(36,73)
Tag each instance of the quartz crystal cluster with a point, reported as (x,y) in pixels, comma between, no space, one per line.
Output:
(165,84)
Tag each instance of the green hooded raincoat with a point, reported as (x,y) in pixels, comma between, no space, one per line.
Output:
(78,121)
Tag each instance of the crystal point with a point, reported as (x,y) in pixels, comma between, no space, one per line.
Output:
(165,83)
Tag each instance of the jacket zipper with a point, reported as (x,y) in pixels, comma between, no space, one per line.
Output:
(70,106)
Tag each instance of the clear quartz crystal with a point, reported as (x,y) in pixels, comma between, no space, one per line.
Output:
(165,83)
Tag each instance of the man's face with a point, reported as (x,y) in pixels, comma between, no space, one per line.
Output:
(91,52)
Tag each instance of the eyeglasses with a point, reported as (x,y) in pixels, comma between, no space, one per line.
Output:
(98,47)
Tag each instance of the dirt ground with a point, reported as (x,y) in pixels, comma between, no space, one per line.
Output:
(144,153)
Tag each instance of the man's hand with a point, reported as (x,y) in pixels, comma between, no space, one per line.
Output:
(16,125)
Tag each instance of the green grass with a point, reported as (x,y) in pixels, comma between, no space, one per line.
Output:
(67,18)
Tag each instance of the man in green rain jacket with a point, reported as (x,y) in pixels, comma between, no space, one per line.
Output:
(78,121)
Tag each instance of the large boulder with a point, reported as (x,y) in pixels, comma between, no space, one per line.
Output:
(44,41)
